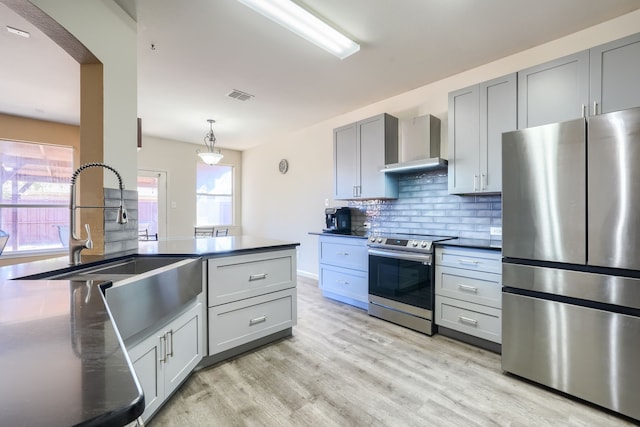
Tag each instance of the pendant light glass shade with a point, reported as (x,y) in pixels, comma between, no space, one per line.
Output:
(211,156)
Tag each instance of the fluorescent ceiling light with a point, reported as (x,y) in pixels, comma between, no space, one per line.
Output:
(296,19)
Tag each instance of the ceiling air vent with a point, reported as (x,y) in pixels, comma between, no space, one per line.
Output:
(239,95)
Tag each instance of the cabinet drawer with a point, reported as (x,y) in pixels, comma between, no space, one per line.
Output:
(342,253)
(237,323)
(470,259)
(245,276)
(344,282)
(472,286)
(473,319)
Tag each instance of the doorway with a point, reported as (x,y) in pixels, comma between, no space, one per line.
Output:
(152,202)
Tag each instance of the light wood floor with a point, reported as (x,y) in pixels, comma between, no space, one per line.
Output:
(342,367)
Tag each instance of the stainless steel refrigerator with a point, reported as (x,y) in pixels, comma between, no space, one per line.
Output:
(571,258)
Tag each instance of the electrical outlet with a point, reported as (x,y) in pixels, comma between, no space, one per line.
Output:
(366,224)
(495,231)
(326,202)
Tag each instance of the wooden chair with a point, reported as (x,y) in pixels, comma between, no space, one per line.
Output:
(203,232)
(222,232)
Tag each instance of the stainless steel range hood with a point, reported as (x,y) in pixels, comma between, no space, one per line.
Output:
(416,165)
(419,146)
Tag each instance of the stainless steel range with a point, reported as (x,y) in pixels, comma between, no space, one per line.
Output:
(401,279)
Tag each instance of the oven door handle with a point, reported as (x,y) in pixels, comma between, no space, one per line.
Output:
(405,256)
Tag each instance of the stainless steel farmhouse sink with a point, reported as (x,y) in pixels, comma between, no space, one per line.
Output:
(144,290)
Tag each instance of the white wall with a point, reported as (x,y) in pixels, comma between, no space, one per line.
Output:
(178,160)
(111,35)
(290,206)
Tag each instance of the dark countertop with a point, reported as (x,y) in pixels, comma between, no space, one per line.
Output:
(62,361)
(466,243)
(355,235)
(473,243)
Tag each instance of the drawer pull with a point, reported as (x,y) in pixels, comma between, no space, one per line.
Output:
(468,288)
(163,349)
(342,282)
(468,320)
(468,261)
(342,253)
(257,320)
(260,276)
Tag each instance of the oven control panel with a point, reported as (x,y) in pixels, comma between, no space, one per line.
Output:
(392,242)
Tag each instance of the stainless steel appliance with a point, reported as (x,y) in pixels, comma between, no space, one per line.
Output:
(337,220)
(401,276)
(571,258)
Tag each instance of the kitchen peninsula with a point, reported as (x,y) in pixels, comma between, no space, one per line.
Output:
(63,354)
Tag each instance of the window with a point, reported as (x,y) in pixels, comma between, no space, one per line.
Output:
(34,204)
(214,194)
(148,203)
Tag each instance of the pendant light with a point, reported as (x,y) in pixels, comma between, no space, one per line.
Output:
(211,156)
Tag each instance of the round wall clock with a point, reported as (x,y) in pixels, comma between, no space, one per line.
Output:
(283,166)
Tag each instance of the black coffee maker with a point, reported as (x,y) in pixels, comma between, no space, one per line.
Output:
(337,220)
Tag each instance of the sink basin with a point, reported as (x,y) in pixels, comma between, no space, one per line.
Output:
(145,290)
(113,271)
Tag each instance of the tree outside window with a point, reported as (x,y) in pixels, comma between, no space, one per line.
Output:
(214,195)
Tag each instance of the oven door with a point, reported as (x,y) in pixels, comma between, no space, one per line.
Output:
(401,276)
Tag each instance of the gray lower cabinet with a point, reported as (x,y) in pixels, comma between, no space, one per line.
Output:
(602,79)
(250,297)
(468,290)
(344,269)
(165,359)
(478,115)
(360,149)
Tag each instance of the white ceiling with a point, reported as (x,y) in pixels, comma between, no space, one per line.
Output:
(206,48)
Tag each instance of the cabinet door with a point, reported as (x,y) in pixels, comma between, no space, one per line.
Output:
(498,106)
(553,92)
(184,347)
(615,75)
(146,358)
(378,145)
(463,140)
(345,160)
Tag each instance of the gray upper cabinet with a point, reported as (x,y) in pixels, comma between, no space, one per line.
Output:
(477,117)
(553,92)
(602,79)
(360,150)
(615,75)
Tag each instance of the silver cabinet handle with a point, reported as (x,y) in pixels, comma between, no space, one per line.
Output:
(140,422)
(595,108)
(483,180)
(468,320)
(475,182)
(342,282)
(342,253)
(468,288)
(257,320)
(468,261)
(260,276)
(584,111)
(170,334)
(163,349)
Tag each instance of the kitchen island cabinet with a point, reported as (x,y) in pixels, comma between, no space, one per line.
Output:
(165,359)
(88,370)
(251,297)
(478,115)
(360,149)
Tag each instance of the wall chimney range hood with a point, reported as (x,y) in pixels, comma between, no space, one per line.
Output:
(419,146)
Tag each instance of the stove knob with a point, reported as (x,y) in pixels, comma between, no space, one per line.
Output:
(379,239)
(414,243)
(423,244)
(372,239)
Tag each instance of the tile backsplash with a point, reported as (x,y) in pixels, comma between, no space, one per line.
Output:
(424,206)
